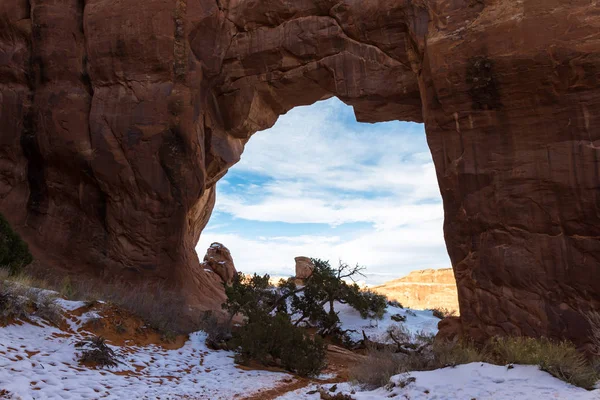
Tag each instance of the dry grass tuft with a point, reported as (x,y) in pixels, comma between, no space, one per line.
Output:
(18,301)
(12,305)
(95,351)
(421,353)
(218,331)
(442,313)
(161,309)
(594,321)
(324,395)
(448,354)
(560,359)
(47,308)
(379,365)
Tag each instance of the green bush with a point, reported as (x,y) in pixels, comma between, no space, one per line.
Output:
(368,303)
(275,341)
(251,297)
(315,302)
(302,354)
(14,252)
(269,335)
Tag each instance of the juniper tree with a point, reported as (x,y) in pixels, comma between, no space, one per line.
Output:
(272,316)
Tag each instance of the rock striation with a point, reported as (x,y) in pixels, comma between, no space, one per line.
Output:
(117,121)
(218,259)
(423,289)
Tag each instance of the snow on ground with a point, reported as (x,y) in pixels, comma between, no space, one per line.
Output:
(417,321)
(38,361)
(478,381)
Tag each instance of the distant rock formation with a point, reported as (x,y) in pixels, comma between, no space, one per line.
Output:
(218,259)
(429,288)
(304,267)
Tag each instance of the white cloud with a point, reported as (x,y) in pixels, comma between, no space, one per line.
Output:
(279,206)
(387,254)
(311,145)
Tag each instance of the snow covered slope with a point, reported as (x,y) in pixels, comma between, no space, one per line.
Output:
(39,361)
(478,381)
(417,321)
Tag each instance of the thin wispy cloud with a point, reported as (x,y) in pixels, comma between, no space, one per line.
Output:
(367,194)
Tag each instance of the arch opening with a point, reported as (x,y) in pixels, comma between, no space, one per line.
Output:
(320,184)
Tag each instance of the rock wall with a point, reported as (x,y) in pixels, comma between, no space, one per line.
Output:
(423,289)
(118,119)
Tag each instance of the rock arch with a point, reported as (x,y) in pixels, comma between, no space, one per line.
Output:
(118,120)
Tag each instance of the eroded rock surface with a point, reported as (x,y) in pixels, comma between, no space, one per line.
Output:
(304,267)
(118,119)
(423,289)
(218,259)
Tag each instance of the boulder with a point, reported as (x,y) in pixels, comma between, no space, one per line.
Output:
(304,267)
(450,330)
(218,259)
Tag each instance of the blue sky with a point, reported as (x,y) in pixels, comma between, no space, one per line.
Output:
(320,184)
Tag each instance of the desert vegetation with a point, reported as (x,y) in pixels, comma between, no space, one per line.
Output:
(14,252)
(594,321)
(422,353)
(273,317)
(287,325)
(94,351)
(442,312)
(20,301)
(161,309)
(268,334)
(559,358)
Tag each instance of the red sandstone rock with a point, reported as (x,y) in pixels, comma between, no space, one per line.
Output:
(117,120)
(450,329)
(423,289)
(218,259)
(304,267)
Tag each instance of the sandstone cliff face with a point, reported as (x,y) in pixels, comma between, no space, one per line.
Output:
(423,289)
(118,119)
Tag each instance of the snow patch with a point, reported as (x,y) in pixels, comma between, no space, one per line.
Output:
(40,362)
(479,381)
(417,321)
